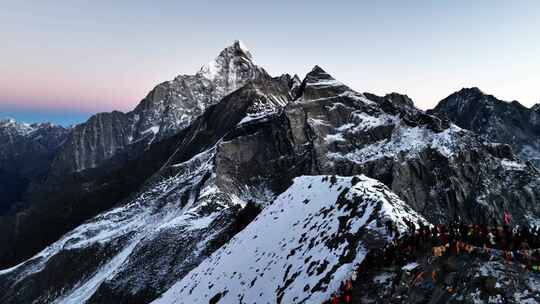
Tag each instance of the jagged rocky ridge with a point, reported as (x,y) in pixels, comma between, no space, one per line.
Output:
(184,197)
(107,142)
(26,151)
(249,147)
(168,108)
(496,120)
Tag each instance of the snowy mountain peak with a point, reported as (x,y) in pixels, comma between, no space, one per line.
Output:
(319,85)
(233,58)
(13,126)
(6,120)
(171,106)
(318,73)
(238,44)
(21,128)
(494,119)
(319,78)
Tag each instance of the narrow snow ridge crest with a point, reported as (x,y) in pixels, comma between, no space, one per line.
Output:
(299,249)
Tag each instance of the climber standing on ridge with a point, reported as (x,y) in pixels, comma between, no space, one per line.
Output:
(335,299)
(507,218)
(389,227)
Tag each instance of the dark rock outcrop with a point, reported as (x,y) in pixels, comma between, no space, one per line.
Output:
(496,120)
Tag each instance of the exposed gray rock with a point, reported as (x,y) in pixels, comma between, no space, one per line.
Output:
(246,149)
(439,169)
(496,120)
(168,108)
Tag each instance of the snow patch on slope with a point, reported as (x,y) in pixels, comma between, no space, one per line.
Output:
(124,229)
(405,140)
(300,248)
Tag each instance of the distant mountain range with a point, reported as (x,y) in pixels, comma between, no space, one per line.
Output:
(233,186)
(26,152)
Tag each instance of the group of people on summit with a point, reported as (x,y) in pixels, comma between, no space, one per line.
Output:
(511,244)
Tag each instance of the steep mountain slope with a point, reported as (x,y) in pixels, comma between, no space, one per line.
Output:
(300,248)
(439,169)
(496,120)
(26,151)
(185,211)
(165,211)
(68,198)
(168,108)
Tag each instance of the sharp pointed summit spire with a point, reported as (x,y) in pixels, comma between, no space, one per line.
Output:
(317,74)
(239,45)
(233,59)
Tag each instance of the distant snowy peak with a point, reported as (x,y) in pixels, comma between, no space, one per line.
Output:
(26,149)
(10,125)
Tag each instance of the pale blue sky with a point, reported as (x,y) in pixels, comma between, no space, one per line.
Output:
(81,57)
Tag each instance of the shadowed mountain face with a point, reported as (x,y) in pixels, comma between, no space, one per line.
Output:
(26,151)
(496,120)
(275,191)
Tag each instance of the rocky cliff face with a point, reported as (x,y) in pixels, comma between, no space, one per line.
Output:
(430,163)
(326,165)
(168,108)
(26,151)
(496,120)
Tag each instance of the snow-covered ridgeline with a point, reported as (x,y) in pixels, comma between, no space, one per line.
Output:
(295,249)
(16,127)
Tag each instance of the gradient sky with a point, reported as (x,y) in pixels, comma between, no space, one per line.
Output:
(63,60)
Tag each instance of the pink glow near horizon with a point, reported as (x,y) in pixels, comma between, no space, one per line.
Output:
(77,98)
(104,56)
